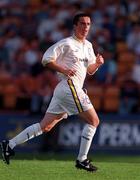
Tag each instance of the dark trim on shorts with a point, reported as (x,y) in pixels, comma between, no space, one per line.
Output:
(75,96)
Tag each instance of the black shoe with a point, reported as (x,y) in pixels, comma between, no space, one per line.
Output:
(6,151)
(86,165)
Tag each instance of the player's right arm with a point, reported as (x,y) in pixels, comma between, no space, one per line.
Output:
(49,60)
(54,66)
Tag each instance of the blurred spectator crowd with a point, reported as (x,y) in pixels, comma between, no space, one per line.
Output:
(29,27)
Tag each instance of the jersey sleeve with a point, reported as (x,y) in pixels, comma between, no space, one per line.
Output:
(51,54)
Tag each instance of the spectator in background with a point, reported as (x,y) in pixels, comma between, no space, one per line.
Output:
(107,73)
(133,38)
(47,25)
(19,65)
(46,90)
(121,28)
(32,56)
(29,23)
(43,12)
(29,95)
(136,68)
(108,24)
(4,53)
(13,42)
(105,40)
(46,42)
(129,97)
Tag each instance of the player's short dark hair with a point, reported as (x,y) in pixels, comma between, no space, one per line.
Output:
(78,15)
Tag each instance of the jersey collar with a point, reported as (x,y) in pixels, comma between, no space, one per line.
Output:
(74,37)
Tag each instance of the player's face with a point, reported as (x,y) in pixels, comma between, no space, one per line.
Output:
(82,27)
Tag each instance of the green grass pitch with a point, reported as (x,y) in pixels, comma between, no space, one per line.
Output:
(61,167)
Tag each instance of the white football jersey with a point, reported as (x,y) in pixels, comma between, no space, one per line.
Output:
(73,54)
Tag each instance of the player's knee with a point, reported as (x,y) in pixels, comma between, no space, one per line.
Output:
(46,128)
(95,122)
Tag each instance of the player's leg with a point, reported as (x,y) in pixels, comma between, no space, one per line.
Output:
(37,129)
(47,123)
(91,117)
(78,102)
(50,120)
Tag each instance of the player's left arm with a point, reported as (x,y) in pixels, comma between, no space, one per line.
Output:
(92,68)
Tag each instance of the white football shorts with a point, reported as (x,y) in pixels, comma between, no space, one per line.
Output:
(68,98)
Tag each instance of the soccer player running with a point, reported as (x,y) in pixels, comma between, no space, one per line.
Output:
(72,58)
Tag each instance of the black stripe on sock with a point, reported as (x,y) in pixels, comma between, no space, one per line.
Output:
(85,138)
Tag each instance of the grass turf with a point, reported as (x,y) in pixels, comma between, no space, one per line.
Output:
(61,167)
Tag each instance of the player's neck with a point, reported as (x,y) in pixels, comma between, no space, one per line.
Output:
(81,40)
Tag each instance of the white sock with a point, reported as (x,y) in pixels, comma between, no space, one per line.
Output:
(28,133)
(86,139)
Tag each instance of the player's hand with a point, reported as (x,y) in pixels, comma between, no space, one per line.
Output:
(99,60)
(69,72)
